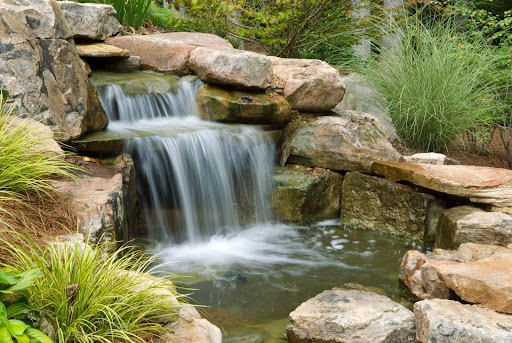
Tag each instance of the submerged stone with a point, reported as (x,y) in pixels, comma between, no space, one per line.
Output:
(305,195)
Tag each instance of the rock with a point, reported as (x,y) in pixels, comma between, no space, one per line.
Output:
(231,106)
(475,273)
(123,65)
(485,185)
(361,98)
(190,328)
(138,83)
(90,21)
(445,321)
(168,52)
(42,70)
(350,315)
(100,50)
(335,143)
(464,224)
(309,85)
(375,203)
(232,68)
(42,132)
(426,158)
(305,195)
(103,198)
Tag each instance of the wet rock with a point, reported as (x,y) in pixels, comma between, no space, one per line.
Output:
(337,143)
(475,273)
(190,328)
(122,65)
(138,83)
(308,85)
(484,185)
(231,106)
(103,198)
(350,315)
(305,195)
(426,158)
(445,321)
(375,203)
(168,52)
(42,71)
(232,68)
(90,21)
(464,224)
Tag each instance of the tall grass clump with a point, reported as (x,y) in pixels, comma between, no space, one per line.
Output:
(90,296)
(432,81)
(129,12)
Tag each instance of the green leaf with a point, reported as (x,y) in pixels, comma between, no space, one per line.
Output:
(38,336)
(17,308)
(17,327)
(5,335)
(4,94)
(22,338)
(3,310)
(6,277)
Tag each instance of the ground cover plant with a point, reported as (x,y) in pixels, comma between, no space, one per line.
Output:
(88,295)
(432,79)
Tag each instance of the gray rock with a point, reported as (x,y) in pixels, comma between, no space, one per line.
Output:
(168,52)
(42,71)
(378,204)
(308,85)
(337,143)
(445,321)
(232,68)
(426,158)
(232,106)
(464,224)
(305,195)
(350,315)
(190,328)
(90,21)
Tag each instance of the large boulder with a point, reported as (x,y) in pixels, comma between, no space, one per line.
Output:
(464,224)
(231,106)
(168,52)
(103,198)
(308,85)
(232,68)
(375,203)
(305,195)
(90,21)
(484,185)
(350,315)
(475,273)
(335,142)
(42,71)
(445,321)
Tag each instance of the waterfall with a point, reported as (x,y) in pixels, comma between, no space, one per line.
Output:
(195,179)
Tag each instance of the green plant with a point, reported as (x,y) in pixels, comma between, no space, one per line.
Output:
(433,80)
(169,19)
(89,295)
(13,307)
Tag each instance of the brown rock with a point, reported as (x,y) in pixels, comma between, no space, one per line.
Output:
(168,52)
(190,328)
(464,224)
(100,50)
(309,85)
(336,143)
(485,185)
(232,68)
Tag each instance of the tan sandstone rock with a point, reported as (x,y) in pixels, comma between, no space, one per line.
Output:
(232,68)
(168,52)
(190,328)
(100,50)
(309,85)
(485,185)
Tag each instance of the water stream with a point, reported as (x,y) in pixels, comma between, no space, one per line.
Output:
(204,188)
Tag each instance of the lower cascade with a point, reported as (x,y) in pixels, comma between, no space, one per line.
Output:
(205,188)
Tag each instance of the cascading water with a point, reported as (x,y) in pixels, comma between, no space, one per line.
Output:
(204,188)
(194,177)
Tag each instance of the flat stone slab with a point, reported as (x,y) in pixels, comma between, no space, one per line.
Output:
(484,185)
(446,321)
(100,50)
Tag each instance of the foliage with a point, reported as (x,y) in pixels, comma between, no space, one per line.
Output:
(281,27)
(432,79)
(89,295)
(169,19)
(25,165)
(13,306)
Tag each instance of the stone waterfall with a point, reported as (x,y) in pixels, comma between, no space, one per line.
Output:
(195,178)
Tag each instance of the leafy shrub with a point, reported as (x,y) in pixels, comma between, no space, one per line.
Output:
(89,296)
(433,82)
(13,307)
(169,19)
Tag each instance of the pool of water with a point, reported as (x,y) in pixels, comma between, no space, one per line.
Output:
(251,280)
